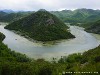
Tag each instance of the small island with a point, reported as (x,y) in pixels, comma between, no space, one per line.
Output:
(41,26)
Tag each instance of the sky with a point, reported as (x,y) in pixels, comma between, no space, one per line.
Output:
(50,5)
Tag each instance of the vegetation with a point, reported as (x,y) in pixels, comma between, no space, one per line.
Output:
(12,63)
(93,27)
(8,55)
(41,26)
(2,37)
(89,61)
(78,15)
(13,16)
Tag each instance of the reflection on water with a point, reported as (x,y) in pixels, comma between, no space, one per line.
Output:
(83,41)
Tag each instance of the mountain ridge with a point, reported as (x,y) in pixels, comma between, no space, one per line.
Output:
(64,15)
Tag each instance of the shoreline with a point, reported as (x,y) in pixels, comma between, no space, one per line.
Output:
(38,50)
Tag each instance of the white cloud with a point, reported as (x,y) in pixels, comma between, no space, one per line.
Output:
(48,4)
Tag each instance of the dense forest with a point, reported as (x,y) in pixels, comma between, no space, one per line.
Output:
(13,63)
(41,26)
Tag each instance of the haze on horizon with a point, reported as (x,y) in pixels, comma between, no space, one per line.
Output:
(33,5)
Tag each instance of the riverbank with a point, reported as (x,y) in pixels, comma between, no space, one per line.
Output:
(15,63)
(83,42)
(97,36)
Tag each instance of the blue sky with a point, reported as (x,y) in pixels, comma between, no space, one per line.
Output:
(48,4)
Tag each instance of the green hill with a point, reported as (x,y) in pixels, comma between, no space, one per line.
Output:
(78,15)
(13,16)
(94,27)
(41,26)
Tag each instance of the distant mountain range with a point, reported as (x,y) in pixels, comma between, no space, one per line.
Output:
(7,11)
(88,17)
(76,16)
(12,16)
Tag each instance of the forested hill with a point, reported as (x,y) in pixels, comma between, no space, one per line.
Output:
(93,27)
(41,26)
(12,16)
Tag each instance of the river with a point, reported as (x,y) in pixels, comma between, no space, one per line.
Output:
(83,42)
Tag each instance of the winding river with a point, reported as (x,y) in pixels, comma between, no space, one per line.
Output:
(83,41)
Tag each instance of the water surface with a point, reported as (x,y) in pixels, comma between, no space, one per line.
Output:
(83,41)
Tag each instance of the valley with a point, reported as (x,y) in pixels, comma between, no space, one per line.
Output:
(50,42)
(83,41)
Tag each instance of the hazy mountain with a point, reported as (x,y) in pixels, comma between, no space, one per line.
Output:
(7,11)
(2,14)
